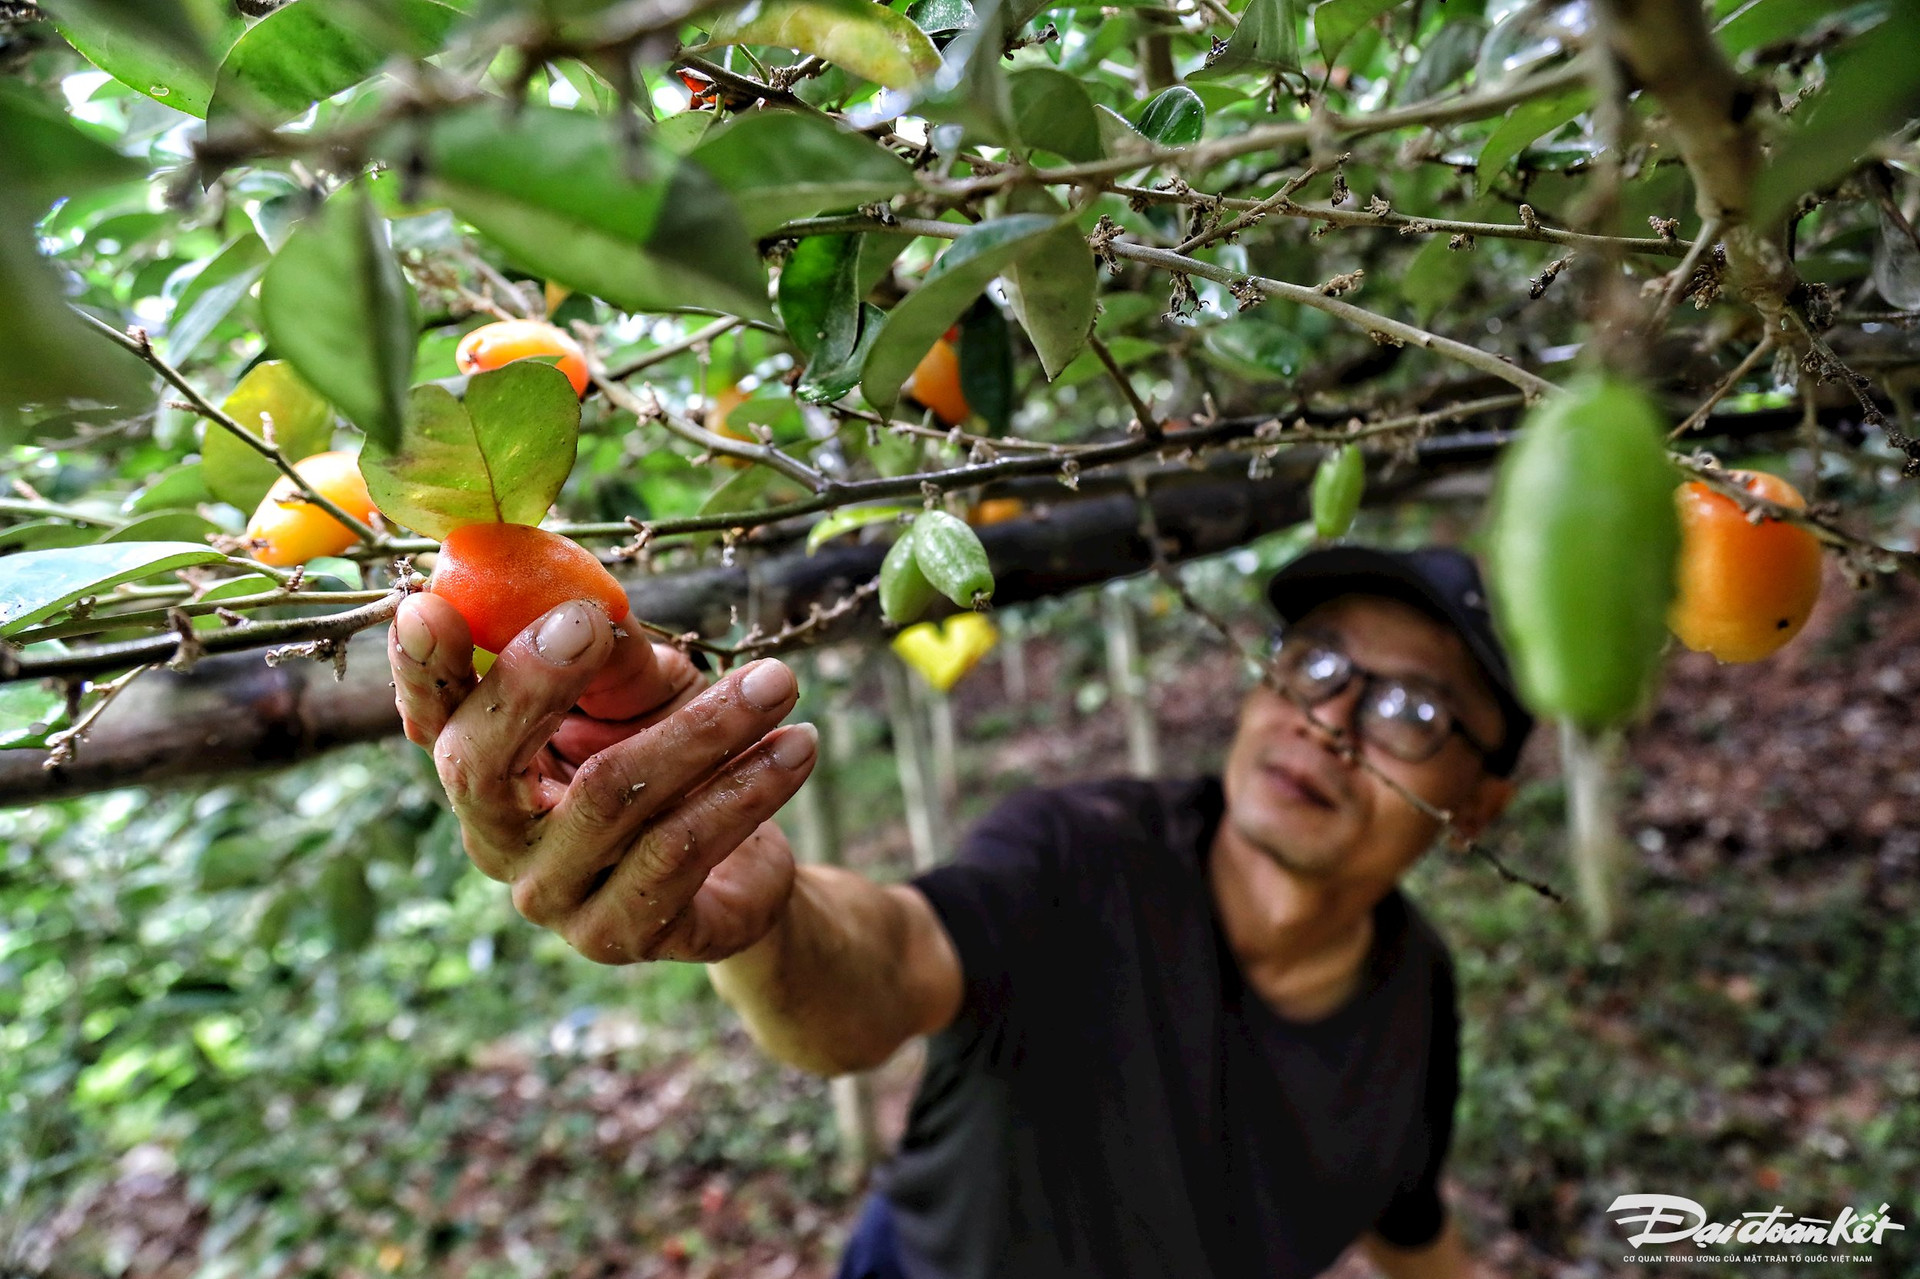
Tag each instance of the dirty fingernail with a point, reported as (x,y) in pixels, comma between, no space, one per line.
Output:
(795,746)
(767,684)
(415,636)
(565,633)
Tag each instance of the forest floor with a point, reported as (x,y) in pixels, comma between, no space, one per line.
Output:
(1748,1040)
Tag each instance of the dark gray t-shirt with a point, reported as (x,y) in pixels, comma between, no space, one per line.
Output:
(1113,1100)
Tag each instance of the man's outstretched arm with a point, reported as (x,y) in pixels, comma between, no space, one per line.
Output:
(628,805)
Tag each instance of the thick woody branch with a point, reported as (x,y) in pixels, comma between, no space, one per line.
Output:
(1710,112)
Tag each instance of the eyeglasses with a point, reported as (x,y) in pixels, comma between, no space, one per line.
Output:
(1406,717)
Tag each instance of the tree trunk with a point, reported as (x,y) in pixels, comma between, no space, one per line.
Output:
(1127,675)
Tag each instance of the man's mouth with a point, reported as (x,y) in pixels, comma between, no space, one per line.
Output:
(1298,786)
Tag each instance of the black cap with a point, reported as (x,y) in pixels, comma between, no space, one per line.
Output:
(1438,580)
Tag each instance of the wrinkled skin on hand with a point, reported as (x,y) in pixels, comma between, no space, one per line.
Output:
(625,801)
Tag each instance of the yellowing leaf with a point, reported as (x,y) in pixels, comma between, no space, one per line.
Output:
(867,39)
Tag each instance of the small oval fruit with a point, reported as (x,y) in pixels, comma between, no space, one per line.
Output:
(503,577)
(1338,483)
(936,383)
(905,592)
(950,555)
(1745,589)
(995,510)
(504,341)
(1580,550)
(287,530)
(719,408)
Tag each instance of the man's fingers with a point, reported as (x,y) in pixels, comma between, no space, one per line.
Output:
(485,749)
(431,653)
(638,679)
(629,781)
(635,914)
(737,904)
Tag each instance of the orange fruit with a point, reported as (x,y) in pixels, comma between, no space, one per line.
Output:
(719,407)
(289,530)
(936,383)
(502,577)
(996,510)
(1744,589)
(504,341)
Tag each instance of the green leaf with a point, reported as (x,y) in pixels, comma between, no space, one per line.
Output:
(819,298)
(956,278)
(824,382)
(1523,124)
(29,713)
(1268,38)
(1259,350)
(1338,21)
(302,426)
(1759,23)
(941,17)
(1435,276)
(750,489)
(1051,110)
(869,40)
(164,526)
(212,294)
(848,518)
(35,585)
(179,486)
(971,89)
(41,535)
(47,157)
(334,303)
(1052,292)
(1872,91)
(569,200)
(1444,58)
(165,49)
(986,364)
(351,908)
(501,456)
(782,165)
(1175,118)
(309,50)
(1118,137)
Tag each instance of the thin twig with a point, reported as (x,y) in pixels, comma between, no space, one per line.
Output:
(1278,200)
(1721,391)
(1683,275)
(97,622)
(661,354)
(65,744)
(135,340)
(1142,411)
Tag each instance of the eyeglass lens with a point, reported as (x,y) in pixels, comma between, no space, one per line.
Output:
(1403,720)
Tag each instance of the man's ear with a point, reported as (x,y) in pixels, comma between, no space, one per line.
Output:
(1488,799)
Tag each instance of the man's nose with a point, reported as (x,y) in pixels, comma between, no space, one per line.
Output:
(1340,714)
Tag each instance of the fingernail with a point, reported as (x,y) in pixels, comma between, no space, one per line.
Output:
(565,633)
(415,636)
(795,746)
(767,684)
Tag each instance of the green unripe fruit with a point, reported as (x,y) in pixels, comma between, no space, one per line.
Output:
(905,592)
(950,555)
(1581,548)
(1175,117)
(1337,485)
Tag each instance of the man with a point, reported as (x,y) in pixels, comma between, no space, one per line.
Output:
(1181,1028)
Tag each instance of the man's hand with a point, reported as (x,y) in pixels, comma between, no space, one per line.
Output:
(627,806)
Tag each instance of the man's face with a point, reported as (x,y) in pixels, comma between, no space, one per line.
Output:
(1291,794)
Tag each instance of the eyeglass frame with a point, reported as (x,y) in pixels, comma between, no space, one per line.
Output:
(1370,680)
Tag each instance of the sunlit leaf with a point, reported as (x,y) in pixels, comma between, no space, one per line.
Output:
(335,304)
(166,49)
(849,518)
(35,585)
(782,165)
(46,156)
(940,17)
(956,278)
(867,39)
(28,713)
(309,50)
(164,526)
(302,421)
(502,454)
